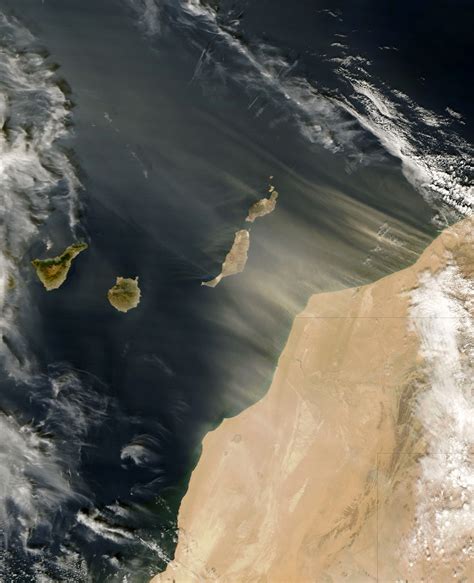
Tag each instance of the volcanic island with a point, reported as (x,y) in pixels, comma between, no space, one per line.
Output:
(235,260)
(125,294)
(53,272)
(263,207)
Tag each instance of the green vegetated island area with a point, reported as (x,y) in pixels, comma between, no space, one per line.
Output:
(53,272)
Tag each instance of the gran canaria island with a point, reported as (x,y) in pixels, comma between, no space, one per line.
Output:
(125,294)
(53,272)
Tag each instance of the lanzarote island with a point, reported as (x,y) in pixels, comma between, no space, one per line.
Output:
(264,206)
(52,272)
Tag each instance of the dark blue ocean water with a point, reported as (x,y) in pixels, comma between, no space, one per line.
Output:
(178,121)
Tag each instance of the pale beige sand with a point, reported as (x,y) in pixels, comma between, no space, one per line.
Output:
(235,260)
(317,481)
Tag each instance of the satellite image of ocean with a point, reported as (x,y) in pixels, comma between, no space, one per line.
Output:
(236,289)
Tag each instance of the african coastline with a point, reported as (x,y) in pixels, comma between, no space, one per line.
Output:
(170,157)
(348,443)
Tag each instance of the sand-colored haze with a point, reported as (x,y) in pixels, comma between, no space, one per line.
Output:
(322,480)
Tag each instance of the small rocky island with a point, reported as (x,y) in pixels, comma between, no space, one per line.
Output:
(125,294)
(264,206)
(53,272)
(235,260)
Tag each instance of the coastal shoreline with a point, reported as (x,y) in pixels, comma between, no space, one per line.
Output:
(332,452)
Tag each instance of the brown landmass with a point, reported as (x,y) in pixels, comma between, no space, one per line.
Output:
(53,272)
(322,480)
(236,258)
(263,207)
(125,294)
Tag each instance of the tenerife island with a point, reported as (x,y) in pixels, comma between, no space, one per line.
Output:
(53,272)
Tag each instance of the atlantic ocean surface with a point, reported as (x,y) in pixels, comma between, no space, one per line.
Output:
(148,128)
